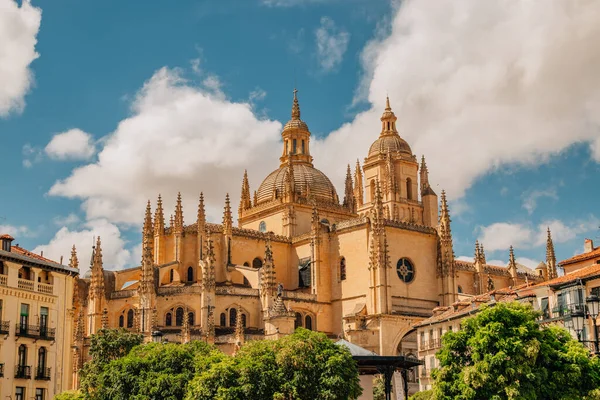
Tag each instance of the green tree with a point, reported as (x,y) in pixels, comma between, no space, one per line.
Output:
(502,353)
(303,366)
(105,346)
(424,395)
(69,395)
(378,388)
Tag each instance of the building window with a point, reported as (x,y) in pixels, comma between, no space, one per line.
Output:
(262,227)
(2,270)
(190,274)
(171,273)
(244,320)
(20,393)
(223,319)
(257,263)
(232,316)
(22,355)
(308,322)
(298,321)
(450,328)
(304,273)
(121,321)
(373,190)
(409,188)
(405,270)
(24,316)
(41,361)
(294,146)
(130,318)
(303,147)
(422,341)
(191,319)
(39,394)
(545,308)
(44,321)
(179,316)
(169,319)
(342,269)
(459,289)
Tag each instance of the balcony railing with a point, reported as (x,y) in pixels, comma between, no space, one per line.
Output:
(22,372)
(431,344)
(1,370)
(562,311)
(25,284)
(42,374)
(45,288)
(3,280)
(4,327)
(35,331)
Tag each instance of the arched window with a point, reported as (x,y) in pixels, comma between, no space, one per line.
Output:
(190,274)
(169,319)
(246,264)
(223,319)
(308,322)
(294,146)
(298,321)
(405,270)
(22,355)
(179,316)
(262,227)
(409,188)
(343,269)
(171,273)
(244,320)
(130,318)
(232,316)
(246,282)
(303,147)
(41,360)
(121,321)
(191,319)
(257,263)
(372,190)
(459,289)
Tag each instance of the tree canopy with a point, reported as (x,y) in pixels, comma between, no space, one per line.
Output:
(502,353)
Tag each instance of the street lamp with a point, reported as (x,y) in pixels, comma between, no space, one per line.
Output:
(593,303)
(578,319)
(157,336)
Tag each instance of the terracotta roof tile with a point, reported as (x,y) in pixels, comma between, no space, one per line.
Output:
(22,251)
(582,257)
(580,273)
(7,236)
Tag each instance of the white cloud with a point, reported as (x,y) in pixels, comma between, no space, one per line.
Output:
(501,235)
(31,155)
(332,43)
(19,27)
(528,262)
(179,138)
(70,219)
(73,144)
(530,199)
(477,85)
(292,3)
(114,254)
(257,94)
(15,231)
(465,258)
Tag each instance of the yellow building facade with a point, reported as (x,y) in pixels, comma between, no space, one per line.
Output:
(365,266)
(35,324)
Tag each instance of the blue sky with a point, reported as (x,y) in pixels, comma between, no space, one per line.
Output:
(105,104)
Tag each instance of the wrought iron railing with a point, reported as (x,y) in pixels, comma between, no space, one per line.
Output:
(42,374)
(35,331)
(4,327)
(22,372)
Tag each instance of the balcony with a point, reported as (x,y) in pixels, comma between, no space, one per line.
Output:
(35,331)
(3,280)
(42,374)
(2,370)
(4,327)
(25,284)
(431,344)
(22,372)
(45,288)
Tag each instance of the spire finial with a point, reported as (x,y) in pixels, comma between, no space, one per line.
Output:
(295,106)
(550,257)
(387,104)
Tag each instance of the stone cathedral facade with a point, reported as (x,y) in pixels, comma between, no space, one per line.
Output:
(365,266)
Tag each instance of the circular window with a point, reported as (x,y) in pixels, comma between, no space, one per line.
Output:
(262,227)
(405,270)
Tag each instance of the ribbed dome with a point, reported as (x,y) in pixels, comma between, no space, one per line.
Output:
(320,187)
(389,143)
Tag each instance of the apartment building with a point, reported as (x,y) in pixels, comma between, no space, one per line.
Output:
(36,296)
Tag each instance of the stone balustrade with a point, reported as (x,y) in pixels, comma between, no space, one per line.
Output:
(45,288)
(3,280)
(25,284)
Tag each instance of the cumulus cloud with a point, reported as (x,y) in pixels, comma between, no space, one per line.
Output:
(291,3)
(530,199)
(70,219)
(501,235)
(332,43)
(114,252)
(477,85)
(73,144)
(19,26)
(31,155)
(179,137)
(15,231)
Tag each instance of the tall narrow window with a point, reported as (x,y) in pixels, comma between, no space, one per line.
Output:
(41,360)
(121,321)
(244,320)
(223,320)
(169,319)
(39,394)
(232,316)
(372,190)
(179,316)
(308,322)
(171,273)
(342,269)
(24,321)
(409,189)
(1,304)
(2,271)
(43,321)
(303,148)
(130,318)
(20,393)
(22,355)
(191,319)
(190,274)
(298,321)
(294,146)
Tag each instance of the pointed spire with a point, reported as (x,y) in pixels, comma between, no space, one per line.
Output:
(148,229)
(387,104)
(105,319)
(178,215)
(239,328)
(349,192)
(424,175)
(255,199)
(477,257)
(378,203)
(245,201)
(208,268)
(97,279)
(550,257)
(295,106)
(358,185)
(201,219)
(388,120)
(445,216)
(98,254)
(227,217)
(289,182)
(391,187)
(74,262)
(512,264)
(483,260)
(159,218)
(268,277)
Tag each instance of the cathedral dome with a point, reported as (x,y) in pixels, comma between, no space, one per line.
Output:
(389,143)
(305,176)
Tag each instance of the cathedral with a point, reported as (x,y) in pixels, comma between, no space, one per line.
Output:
(365,266)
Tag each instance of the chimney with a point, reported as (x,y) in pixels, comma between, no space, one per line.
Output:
(588,245)
(6,241)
